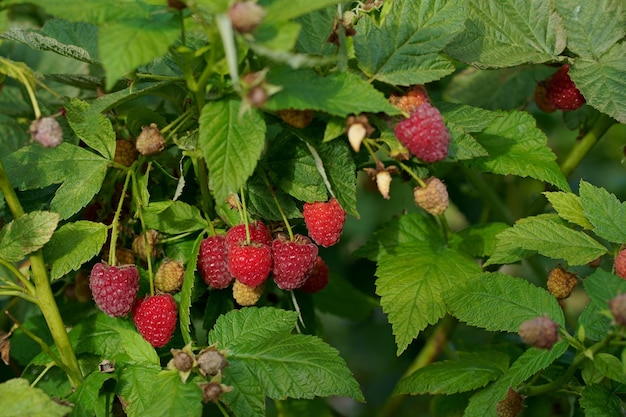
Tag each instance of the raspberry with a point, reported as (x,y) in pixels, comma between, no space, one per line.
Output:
(212,262)
(540,332)
(541,99)
(424,134)
(511,405)
(293,260)
(182,360)
(47,131)
(125,152)
(324,221)
(620,264)
(433,198)
(561,283)
(411,100)
(139,244)
(561,91)
(210,361)
(296,118)
(318,278)
(169,277)
(212,391)
(155,318)
(617,306)
(250,263)
(259,233)
(150,141)
(245,295)
(245,16)
(114,288)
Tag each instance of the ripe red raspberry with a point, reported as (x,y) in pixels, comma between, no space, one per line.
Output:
(212,262)
(318,278)
(150,141)
(114,288)
(433,198)
(424,134)
(47,131)
(250,263)
(245,295)
(296,118)
(541,98)
(561,283)
(155,318)
(259,233)
(125,152)
(411,100)
(324,221)
(620,264)
(540,332)
(561,91)
(293,260)
(511,405)
(170,275)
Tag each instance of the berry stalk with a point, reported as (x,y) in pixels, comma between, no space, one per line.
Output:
(116,218)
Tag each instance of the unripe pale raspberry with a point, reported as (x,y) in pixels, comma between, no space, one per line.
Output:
(212,391)
(150,141)
(357,129)
(182,361)
(169,277)
(125,152)
(139,244)
(296,118)
(411,100)
(383,183)
(511,405)
(424,134)
(47,131)
(540,332)
(620,264)
(433,198)
(245,16)
(617,306)
(561,283)
(245,295)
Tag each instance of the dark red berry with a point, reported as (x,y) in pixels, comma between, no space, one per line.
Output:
(114,288)
(293,260)
(213,262)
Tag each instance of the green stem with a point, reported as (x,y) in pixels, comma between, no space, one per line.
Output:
(202,174)
(159,77)
(280,209)
(582,147)
(429,353)
(116,218)
(45,298)
(25,282)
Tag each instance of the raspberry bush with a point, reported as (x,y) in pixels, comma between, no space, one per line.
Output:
(289,208)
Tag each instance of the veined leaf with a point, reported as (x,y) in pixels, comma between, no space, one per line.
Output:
(605,212)
(413,282)
(186,292)
(261,201)
(508,33)
(86,395)
(231,144)
(601,286)
(95,129)
(406,49)
(26,234)
(478,240)
(73,245)
(26,400)
(173,217)
(281,10)
(505,302)
(597,400)
(569,207)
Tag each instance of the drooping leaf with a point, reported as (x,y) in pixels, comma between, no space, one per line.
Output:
(569,207)
(231,144)
(28,401)
(94,129)
(478,240)
(261,201)
(505,302)
(414,280)
(73,245)
(597,400)
(508,33)
(26,234)
(86,395)
(469,372)
(173,217)
(605,212)
(406,49)
(601,286)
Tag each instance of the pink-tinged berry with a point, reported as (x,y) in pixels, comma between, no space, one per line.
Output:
(540,332)
(511,405)
(155,318)
(213,262)
(617,305)
(245,16)
(150,141)
(114,288)
(561,91)
(620,264)
(245,295)
(411,100)
(46,131)
(251,263)
(324,221)
(433,197)
(424,134)
(259,233)
(293,260)
(318,278)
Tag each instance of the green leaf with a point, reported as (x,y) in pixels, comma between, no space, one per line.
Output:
(147,391)
(281,10)
(315,28)
(508,33)
(478,240)
(413,282)
(231,144)
(338,94)
(569,207)
(605,212)
(13,135)
(173,217)
(26,234)
(610,366)
(505,302)
(406,49)
(601,287)
(483,403)
(598,401)
(261,201)
(550,238)
(592,28)
(186,292)
(28,401)
(316,407)
(516,146)
(79,171)
(95,129)
(126,44)
(602,81)
(86,395)
(73,245)
(470,371)
(265,359)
